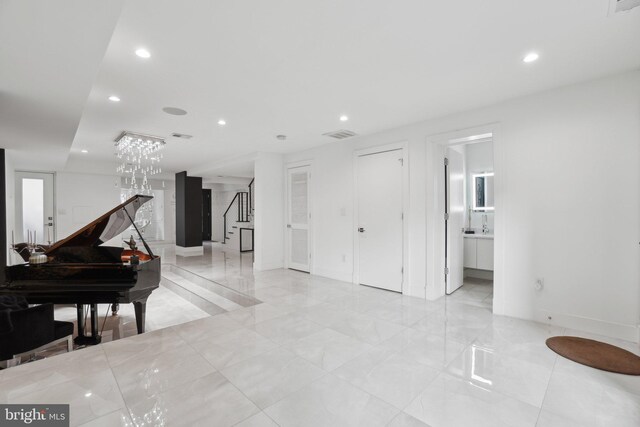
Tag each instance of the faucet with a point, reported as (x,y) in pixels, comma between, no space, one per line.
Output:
(485,227)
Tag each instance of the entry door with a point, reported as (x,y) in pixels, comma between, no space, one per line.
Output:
(298,256)
(34,207)
(455,221)
(380,229)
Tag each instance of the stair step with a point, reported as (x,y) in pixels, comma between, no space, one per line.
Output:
(202,292)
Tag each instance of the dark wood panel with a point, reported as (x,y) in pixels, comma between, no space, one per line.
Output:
(188,210)
(206,214)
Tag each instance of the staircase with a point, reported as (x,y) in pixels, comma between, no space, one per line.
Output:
(238,220)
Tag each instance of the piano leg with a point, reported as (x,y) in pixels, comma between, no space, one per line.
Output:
(82,339)
(140,308)
(114,308)
(80,314)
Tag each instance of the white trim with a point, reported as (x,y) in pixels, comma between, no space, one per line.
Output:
(311,228)
(435,225)
(334,274)
(587,324)
(403,146)
(274,265)
(189,251)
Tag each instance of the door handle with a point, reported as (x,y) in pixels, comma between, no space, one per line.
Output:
(50,224)
(360,229)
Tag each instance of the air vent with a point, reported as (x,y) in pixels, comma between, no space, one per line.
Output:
(622,5)
(340,134)
(181,135)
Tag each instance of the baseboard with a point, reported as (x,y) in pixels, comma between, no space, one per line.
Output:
(189,251)
(332,274)
(478,274)
(596,326)
(273,265)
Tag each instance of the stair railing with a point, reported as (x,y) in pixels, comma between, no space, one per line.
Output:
(242,213)
(251,195)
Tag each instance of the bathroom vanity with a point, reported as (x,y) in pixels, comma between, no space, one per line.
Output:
(478,251)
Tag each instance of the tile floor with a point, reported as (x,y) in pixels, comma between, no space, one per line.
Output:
(474,291)
(319,352)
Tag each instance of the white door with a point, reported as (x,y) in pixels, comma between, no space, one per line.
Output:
(380,230)
(455,222)
(34,207)
(298,256)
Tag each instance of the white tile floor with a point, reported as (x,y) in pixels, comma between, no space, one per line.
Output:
(319,352)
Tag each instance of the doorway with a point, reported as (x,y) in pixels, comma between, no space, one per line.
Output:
(469,220)
(35,207)
(379,239)
(298,218)
(454,218)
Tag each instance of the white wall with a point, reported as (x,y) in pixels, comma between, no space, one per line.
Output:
(269,212)
(169,207)
(81,198)
(10,189)
(220,203)
(478,158)
(570,160)
(221,196)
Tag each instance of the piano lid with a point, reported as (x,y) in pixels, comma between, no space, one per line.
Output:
(104,228)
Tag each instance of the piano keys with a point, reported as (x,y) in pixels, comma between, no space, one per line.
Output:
(82,272)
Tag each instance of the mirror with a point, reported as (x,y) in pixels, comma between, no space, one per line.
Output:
(483,191)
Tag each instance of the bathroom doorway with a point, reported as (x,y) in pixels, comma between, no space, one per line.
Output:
(469,208)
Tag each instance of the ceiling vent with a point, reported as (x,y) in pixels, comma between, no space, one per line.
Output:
(181,135)
(622,5)
(340,134)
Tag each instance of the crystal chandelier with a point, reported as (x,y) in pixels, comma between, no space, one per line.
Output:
(140,158)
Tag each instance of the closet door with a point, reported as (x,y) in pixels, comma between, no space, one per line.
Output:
(298,216)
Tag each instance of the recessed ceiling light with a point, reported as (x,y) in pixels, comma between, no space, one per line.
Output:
(143,53)
(531,57)
(343,118)
(114,98)
(84,151)
(222,122)
(174,111)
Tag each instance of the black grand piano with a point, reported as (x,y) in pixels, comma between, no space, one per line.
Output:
(80,271)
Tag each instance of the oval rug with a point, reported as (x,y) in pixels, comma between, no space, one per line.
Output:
(596,354)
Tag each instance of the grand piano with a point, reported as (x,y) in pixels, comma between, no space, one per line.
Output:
(80,271)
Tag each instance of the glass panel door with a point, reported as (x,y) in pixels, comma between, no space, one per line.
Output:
(34,208)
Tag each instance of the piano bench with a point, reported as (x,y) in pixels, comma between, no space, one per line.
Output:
(27,355)
(31,330)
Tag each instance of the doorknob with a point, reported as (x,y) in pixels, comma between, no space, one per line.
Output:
(288,225)
(361,230)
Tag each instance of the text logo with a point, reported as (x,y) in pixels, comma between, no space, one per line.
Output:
(34,415)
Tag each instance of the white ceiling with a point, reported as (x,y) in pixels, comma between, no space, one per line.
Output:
(293,67)
(50,54)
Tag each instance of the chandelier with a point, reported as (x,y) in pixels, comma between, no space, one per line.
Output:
(140,158)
